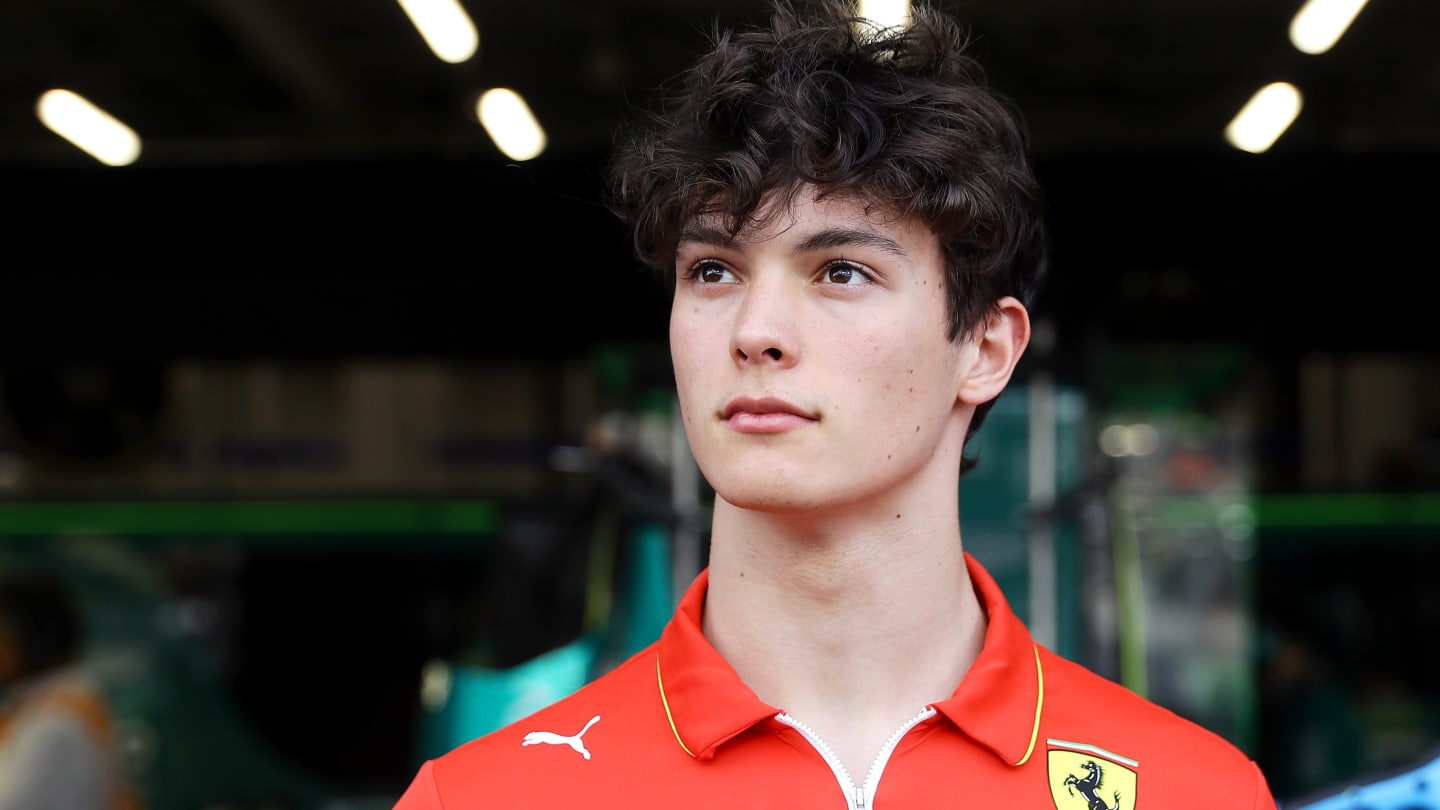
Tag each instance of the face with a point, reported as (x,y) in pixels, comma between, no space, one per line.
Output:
(812,361)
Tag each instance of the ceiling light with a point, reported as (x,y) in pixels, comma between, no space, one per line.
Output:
(1264,117)
(445,27)
(886,13)
(1319,24)
(88,127)
(510,124)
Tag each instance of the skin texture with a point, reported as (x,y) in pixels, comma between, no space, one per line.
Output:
(826,406)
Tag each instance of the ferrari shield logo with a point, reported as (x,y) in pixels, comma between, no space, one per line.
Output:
(1084,777)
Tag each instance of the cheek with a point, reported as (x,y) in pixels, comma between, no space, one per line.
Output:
(688,355)
(690,324)
(909,376)
(886,357)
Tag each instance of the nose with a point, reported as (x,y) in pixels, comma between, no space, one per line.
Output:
(764,329)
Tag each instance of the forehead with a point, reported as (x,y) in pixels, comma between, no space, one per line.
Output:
(837,218)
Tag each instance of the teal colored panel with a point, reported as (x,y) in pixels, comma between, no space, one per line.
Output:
(649,600)
(477,700)
(470,701)
(995,505)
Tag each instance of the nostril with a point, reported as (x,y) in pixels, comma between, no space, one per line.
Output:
(772,353)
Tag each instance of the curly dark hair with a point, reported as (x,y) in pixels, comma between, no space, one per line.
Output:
(901,118)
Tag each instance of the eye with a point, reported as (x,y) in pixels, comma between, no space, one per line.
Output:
(711,272)
(844,273)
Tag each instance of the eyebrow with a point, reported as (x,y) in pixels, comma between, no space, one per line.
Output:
(826,239)
(843,237)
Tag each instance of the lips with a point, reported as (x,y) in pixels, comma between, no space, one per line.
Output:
(761,406)
(765,415)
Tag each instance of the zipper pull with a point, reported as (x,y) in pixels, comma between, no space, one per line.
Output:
(859,797)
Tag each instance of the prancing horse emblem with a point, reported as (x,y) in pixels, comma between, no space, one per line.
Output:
(1084,776)
(551,738)
(1089,786)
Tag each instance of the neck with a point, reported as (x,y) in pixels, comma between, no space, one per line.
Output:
(850,624)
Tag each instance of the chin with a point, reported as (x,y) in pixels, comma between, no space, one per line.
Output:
(770,501)
(780,497)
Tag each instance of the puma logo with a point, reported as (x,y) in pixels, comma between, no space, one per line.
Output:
(551,738)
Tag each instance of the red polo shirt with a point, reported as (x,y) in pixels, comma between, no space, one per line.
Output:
(674,727)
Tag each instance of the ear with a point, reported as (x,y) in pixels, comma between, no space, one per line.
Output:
(995,350)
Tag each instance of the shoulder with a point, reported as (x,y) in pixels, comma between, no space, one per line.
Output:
(1087,715)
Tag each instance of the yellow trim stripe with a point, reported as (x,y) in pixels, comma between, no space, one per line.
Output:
(1039,702)
(666,703)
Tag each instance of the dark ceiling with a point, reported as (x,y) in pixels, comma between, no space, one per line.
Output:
(209,82)
(312,176)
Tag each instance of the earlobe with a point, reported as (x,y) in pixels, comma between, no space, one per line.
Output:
(996,351)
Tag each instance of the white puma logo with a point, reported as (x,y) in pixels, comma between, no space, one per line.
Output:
(551,738)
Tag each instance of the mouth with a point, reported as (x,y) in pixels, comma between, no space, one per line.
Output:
(762,405)
(765,415)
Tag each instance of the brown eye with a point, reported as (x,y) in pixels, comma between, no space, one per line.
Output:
(845,273)
(712,273)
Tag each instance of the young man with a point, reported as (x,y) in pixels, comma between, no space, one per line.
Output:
(853,234)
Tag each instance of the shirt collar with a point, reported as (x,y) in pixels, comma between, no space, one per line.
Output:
(997,704)
(704,698)
(999,701)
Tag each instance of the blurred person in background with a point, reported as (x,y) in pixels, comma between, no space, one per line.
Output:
(56,746)
(852,233)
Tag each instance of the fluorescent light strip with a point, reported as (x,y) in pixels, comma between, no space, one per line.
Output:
(445,27)
(508,120)
(91,129)
(1264,118)
(1320,23)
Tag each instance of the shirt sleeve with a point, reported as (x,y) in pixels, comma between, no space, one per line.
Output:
(422,793)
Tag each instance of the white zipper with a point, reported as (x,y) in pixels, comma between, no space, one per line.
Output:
(857,796)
